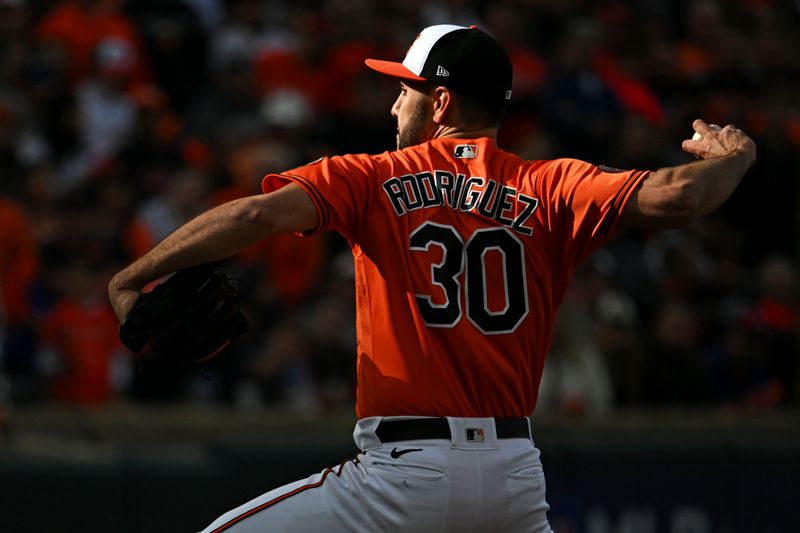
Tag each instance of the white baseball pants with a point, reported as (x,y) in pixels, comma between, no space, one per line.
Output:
(470,482)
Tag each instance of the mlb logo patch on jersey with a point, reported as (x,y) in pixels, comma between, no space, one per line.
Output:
(475,435)
(466,151)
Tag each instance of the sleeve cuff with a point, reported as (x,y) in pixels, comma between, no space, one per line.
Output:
(273,182)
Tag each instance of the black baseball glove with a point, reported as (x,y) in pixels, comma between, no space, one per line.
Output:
(186,320)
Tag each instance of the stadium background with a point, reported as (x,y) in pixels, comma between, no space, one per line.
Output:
(670,398)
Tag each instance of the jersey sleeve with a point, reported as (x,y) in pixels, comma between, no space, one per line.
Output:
(340,188)
(584,203)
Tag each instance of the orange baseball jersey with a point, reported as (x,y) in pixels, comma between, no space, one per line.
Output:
(463,253)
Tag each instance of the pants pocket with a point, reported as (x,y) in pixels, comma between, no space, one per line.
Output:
(415,470)
(529,472)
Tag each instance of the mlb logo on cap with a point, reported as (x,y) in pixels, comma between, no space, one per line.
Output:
(465,59)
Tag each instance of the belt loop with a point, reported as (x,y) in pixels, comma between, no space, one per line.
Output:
(364,434)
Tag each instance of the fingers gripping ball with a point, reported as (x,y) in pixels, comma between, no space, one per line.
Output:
(186,320)
(698,137)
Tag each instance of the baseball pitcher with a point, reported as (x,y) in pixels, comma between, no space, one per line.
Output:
(463,253)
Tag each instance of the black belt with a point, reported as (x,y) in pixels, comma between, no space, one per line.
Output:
(438,428)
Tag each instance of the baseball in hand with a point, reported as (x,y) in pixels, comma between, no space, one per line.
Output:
(698,137)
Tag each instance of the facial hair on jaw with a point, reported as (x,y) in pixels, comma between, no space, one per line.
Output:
(413,132)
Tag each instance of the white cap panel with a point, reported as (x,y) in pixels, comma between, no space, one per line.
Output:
(418,53)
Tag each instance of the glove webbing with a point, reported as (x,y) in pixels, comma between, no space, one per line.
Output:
(202,340)
(187,319)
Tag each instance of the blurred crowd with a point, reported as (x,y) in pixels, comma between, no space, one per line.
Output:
(120,120)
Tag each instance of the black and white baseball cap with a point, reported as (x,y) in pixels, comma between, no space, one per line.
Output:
(464,59)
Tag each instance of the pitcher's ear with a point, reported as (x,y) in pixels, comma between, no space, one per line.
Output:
(443,103)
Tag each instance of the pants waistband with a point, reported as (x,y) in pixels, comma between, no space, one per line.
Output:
(439,428)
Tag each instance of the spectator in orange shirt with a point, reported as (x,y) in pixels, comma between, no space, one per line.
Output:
(80,25)
(293,266)
(82,332)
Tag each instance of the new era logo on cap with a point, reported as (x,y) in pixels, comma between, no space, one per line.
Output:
(464,59)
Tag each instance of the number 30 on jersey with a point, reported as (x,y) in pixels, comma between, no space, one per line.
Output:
(468,259)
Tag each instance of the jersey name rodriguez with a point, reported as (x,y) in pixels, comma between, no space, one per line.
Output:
(463,193)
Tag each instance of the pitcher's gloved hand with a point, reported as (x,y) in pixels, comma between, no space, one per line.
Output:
(186,320)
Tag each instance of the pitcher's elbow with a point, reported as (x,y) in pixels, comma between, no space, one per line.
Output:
(673,210)
(253,216)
